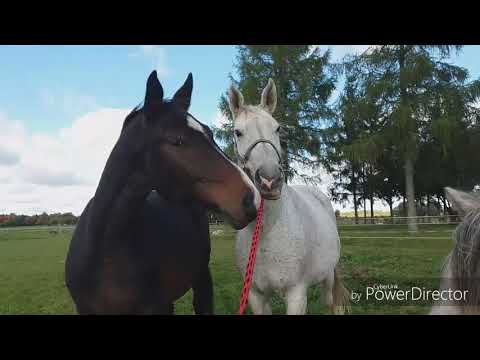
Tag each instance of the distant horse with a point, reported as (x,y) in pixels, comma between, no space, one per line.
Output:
(143,240)
(461,270)
(299,243)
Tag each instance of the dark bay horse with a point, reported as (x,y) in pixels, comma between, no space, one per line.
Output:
(143,240)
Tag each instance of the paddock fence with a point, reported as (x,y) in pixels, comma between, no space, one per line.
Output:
(399,220)
(342,222)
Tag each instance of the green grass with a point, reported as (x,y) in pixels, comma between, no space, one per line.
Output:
(32,265)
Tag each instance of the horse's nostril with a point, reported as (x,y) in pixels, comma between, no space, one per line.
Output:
(265,183)
(268,181)
(249,205)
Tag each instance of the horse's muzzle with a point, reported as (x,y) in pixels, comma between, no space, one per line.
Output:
(269,186)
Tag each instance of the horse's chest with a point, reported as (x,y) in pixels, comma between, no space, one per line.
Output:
(280,258)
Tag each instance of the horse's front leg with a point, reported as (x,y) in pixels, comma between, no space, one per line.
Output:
(259,302)
(203,293)
(297,300)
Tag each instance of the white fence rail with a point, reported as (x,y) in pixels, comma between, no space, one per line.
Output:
(398,220)
(341,221)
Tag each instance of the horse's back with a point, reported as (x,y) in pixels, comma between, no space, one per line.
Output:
(314,199)
(314,194)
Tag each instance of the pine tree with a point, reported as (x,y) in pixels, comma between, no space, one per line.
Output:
(409,81)
(305,80)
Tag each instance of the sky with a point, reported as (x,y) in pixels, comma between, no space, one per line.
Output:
(62,108)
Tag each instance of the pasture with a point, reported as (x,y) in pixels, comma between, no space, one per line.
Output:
(32,268)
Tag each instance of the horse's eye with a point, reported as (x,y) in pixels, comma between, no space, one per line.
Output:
(278,130)
(178,141)
(238,133)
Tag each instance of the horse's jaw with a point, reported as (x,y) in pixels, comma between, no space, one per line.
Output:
(272,197)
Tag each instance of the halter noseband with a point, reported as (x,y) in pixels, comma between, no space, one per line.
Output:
(243,159)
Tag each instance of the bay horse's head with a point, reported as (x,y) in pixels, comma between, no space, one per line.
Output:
(257,140)
(184,162)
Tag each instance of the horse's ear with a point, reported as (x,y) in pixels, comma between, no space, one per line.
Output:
(235,101)
(269,97)
(461,201)
(154,93)
(183,95)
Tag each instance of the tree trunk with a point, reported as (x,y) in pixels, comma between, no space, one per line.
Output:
(445,209)
(354,190)
(355,205)
(428,204)
(370,190)
(410,190)
(371,208)
(364,210)
(364,195)
(409,165)
(390,205)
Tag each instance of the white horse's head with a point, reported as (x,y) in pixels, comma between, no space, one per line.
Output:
(463,262)
(257,140)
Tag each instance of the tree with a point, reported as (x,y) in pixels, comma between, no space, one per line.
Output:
(389,177)
(346,128)
(410,82)
(305,80)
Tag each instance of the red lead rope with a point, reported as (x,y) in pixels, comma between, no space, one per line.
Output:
(247,282)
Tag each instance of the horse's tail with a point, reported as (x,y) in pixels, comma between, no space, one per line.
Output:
(341,295)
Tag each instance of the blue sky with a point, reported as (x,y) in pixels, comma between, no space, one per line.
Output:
(61,110)
(47,87)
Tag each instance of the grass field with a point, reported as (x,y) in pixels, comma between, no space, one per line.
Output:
(32,265)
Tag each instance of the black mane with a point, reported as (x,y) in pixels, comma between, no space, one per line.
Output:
(136,110)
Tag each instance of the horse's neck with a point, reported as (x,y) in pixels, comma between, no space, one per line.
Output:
(122,187)
(273,209)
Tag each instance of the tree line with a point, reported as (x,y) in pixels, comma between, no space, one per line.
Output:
(42,219)
(396,122)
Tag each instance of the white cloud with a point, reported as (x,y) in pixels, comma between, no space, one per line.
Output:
(219,120)
(12,140)
(8,157)
(156,55)
(59,171)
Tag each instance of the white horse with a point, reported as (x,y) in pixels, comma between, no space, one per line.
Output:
(299,242)
(461,271)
